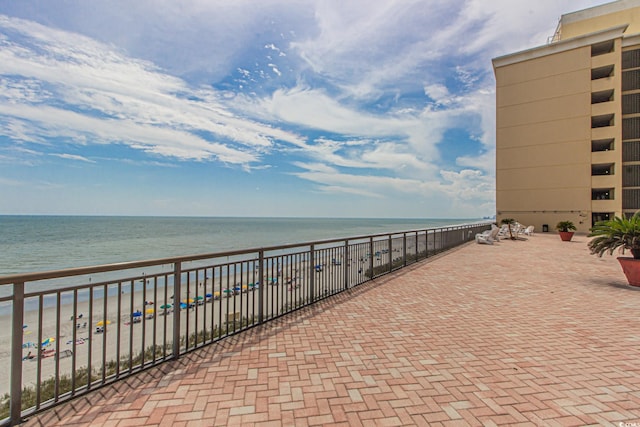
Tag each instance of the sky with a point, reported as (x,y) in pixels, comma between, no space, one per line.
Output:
(270,108)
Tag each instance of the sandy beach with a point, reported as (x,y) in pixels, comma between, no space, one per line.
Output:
(106,329)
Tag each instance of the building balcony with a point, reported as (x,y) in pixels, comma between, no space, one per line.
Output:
(606,132)
(604,59)
(418,347)
(175,307)
(610,156)
(606,83)
(605,206)
(603,108)
(603,181)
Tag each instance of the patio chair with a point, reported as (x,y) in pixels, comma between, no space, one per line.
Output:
(528,231)
(503,231)
(488,236)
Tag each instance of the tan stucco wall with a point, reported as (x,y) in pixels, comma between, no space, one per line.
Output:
(543,150)
(596,19)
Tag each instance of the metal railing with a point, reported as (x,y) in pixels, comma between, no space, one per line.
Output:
(75,330)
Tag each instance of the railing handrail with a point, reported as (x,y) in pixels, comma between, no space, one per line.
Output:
(271,302)
(104,268)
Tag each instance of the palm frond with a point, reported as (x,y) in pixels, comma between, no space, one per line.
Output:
(619,233)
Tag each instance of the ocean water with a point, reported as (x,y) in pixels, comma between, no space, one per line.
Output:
(45,243)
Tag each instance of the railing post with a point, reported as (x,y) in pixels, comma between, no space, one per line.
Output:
(261,288)
(389,248)
(371,258)
(404,249)
(16,354)
(444,239)
(177,294)
(426,243)
(312,276)
(346,264)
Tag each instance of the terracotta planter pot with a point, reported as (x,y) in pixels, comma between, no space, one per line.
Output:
(566,236)
(631,269)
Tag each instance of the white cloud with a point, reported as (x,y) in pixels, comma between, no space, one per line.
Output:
(116,99)
(56,123)
(438,93)
(357,95)
(74,157)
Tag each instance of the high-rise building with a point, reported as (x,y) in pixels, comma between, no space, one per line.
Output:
(568,122)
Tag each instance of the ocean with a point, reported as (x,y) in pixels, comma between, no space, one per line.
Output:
(45,243)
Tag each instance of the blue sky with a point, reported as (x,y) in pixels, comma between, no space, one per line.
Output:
(345,108)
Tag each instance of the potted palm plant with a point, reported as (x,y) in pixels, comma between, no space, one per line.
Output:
(621,233)
(509,222)
(565,229)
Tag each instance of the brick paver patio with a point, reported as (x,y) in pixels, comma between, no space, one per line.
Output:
(535,332)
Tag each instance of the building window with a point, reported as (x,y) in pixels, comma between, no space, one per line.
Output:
(602,194)
(631,59)
(603,169)
(631,128)
(602,145)
(631,198)
(603,96)
(602,121)
(602,48)
(631,103)
(631,151)
(630,177)
(600,216)
(631,80)
(602,72)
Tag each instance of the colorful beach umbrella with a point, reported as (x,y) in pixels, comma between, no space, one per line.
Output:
(149,311)
(103,323)
(199,298)
(165,306)
(48,341)
(137,313)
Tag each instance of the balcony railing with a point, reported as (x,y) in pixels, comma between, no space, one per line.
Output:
(75,330)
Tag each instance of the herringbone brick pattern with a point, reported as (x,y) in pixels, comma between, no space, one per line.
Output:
(529,332)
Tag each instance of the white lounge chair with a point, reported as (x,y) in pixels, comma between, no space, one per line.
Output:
(517,229)
(488,236)
(503,231)
(529,230)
